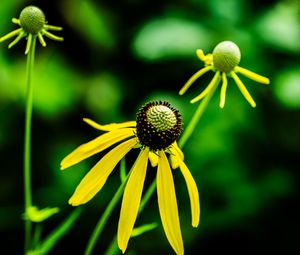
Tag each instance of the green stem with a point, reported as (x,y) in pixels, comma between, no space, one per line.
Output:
(113,248)
(60,231)
(147,196)
(194,121)
(37,235)
(27,141)
(104,218)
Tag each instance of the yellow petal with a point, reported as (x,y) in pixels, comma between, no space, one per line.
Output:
(11,34)
(52,36)
(153,159)
(17,39)
(214,82)
(95,146)
(251,75)
(243,89)
(193,193)
(178,150)
(200,54)
(193,78)
(191,186)
(223,90)
(168,204)
(131,199)
(173,156)
(29,43)
(173,162)
(97,176)
(110,127)
(41,39)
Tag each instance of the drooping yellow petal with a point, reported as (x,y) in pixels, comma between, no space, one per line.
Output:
(207,59)
(52,36)
(95,146)
(251,75)
(28,44)
(193,78)
(153,159)
(110,127)
(173,156)
(167,204)
(214,82)
(178,150)
(200,54)
(11,34)
(16,21)
(191,186)
(41,40)
(131,199)
(243,89)
(193,193)
(51,27)
(97,176)
(17,39)
(223,90)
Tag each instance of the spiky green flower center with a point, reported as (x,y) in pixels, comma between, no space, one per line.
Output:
(226,56)
(161,117)
(32,19)
(158,125)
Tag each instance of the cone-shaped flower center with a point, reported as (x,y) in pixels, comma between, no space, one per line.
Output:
(158,125)
(226,56)
(161,117)
(32,19)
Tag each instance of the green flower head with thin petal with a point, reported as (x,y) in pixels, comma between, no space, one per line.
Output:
(32,23)
(154,133)
(224,61)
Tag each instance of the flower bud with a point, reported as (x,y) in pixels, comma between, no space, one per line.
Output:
(32,19)
(226,56)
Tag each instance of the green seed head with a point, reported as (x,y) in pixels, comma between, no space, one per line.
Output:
(161,117)
(226,56)
(158,125)
(32,19)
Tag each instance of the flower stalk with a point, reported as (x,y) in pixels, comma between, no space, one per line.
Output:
(195,119)
(27,141)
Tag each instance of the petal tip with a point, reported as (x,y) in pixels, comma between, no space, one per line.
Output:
(73,202)
(267,81)
(195,224)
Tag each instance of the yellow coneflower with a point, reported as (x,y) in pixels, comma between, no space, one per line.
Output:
(224,62)
(155,131)
(32,23)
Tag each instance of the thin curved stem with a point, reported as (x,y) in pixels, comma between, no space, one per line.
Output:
(27,141)
(194,121)
(147,196)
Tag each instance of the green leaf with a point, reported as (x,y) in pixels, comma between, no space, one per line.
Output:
(35,215)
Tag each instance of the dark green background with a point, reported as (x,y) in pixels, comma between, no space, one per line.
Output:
(116,56)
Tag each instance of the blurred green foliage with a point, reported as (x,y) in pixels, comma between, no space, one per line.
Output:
(117,56)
